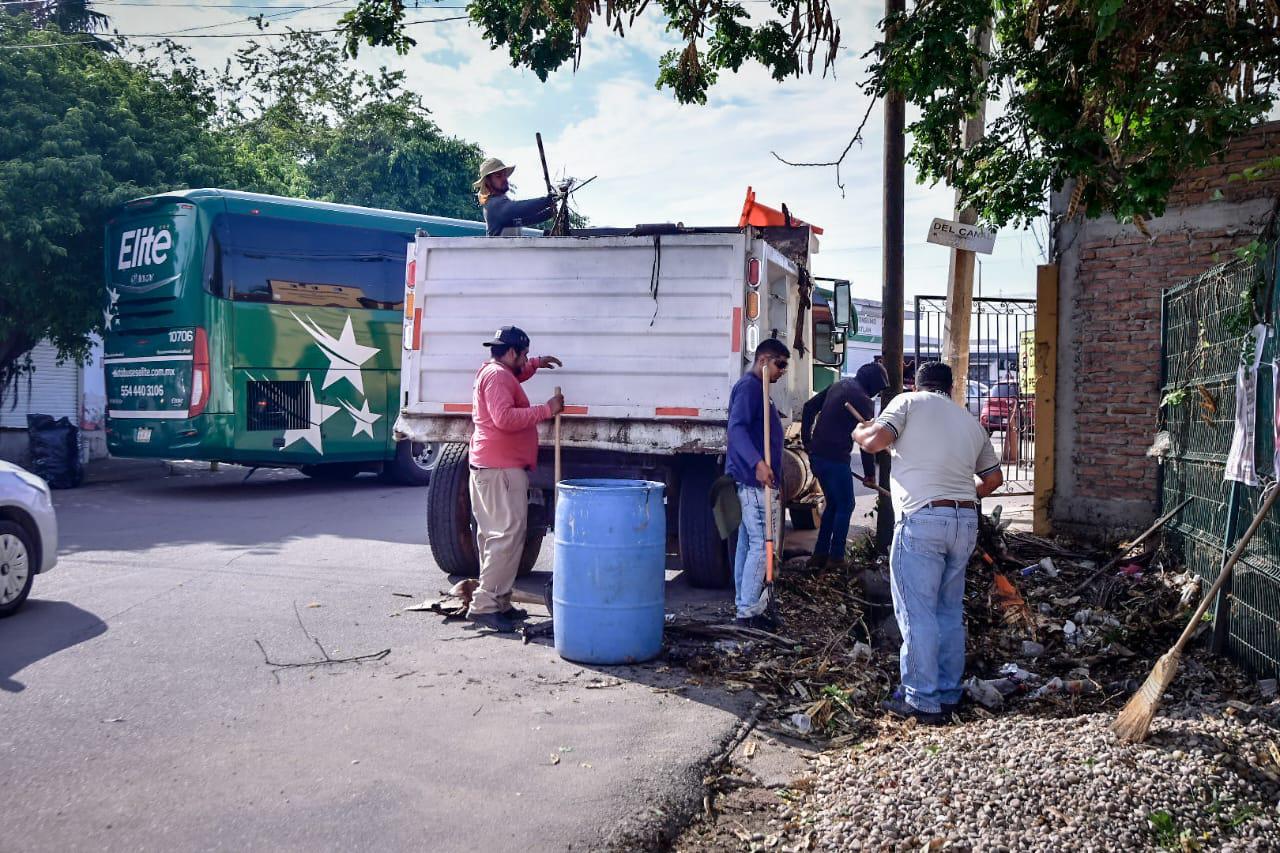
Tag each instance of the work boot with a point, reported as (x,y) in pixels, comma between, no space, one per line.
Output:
(516,613)
(904,710)
(817,561)
(498,622)
(760,623)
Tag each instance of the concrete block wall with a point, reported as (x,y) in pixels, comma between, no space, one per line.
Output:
(1110,279)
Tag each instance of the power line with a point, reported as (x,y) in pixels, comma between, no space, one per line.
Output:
(177,35)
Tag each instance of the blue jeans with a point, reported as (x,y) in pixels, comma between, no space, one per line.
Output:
(931,548)
(748,561)
(837,487)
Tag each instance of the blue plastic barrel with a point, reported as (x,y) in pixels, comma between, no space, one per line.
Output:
(610,570)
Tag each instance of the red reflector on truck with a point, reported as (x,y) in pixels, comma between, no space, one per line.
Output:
(417,328)
(736,331)
(676,412)
(575,410)
(457,408)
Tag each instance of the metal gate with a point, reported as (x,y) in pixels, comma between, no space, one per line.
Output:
(1000,390)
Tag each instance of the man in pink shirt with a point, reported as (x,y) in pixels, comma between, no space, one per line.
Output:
(504,449)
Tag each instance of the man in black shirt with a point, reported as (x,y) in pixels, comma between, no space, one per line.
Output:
(830,447)
(501,212)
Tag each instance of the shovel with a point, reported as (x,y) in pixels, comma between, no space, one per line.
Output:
(768,501)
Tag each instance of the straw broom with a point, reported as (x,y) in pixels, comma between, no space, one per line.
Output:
(1134,721)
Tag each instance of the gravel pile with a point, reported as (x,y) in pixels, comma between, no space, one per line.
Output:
(1210,781)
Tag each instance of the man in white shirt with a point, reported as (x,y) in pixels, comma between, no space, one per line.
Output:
(942,463)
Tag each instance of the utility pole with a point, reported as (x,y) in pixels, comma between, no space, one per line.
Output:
(895,121)
(955,326)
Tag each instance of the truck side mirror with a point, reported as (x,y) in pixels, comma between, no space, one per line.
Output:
(842,308)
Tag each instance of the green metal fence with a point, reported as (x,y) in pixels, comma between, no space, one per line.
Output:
(1204,322)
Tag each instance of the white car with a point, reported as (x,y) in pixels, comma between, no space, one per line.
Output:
(28,534)
(975,393)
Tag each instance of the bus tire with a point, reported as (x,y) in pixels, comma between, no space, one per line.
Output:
(413,463)
(705,557)
(451,530)
(332,471)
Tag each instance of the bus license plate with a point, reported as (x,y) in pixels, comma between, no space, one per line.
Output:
(142,434)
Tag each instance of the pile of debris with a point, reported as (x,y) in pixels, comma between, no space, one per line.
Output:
(1060,629)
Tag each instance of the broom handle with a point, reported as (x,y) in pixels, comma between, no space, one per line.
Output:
(557,443)
(1226,570)
(768,498)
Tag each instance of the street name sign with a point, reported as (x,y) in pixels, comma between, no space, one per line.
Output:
(957,235)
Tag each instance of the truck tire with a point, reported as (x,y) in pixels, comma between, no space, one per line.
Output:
(704,556)
(804,517)
(451,529)
(413,463)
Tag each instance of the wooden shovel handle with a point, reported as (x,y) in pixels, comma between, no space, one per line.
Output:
(768,496)
(1226,569)
(557,442)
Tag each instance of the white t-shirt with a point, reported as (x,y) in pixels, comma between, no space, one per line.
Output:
(939,447)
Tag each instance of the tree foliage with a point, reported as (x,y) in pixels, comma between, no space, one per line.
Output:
(1122,97)
(82,131)
(786,37)
(341,134)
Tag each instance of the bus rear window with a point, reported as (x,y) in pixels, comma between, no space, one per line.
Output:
(304,263)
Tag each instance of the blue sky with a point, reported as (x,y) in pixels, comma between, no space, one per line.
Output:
(656,160)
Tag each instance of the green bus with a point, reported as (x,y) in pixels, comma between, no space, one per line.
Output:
(261,330)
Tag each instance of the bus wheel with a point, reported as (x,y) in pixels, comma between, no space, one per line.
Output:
(414,462)
(705,557)
(451,528)
(332,471)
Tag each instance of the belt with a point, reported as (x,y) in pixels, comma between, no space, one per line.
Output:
(952,504)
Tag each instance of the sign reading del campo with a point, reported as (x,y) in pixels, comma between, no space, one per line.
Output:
(957,235)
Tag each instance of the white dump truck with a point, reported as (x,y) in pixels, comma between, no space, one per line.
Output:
(654,327)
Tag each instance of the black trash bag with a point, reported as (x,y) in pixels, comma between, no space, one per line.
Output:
(55,451)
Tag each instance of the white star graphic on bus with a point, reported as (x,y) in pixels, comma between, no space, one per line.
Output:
(345,353)
(318,414)
(364,418)
(109,313)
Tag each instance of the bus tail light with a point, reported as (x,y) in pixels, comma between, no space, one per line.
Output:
(199,374)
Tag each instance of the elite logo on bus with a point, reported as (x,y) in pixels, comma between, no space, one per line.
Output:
(144,247)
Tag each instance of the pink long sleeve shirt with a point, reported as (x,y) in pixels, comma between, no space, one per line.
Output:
(505,434)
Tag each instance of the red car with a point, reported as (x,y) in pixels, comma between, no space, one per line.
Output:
(1000,405)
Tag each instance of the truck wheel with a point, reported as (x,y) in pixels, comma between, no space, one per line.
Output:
(705,558)
(451,529)
(804,518)
(413,463)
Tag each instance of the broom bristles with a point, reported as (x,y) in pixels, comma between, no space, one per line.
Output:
(1134,722)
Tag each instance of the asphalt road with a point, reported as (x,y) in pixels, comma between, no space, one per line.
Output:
(137,711)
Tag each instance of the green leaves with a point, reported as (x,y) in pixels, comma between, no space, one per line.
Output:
(82,131)
(1119,96)
(788,37)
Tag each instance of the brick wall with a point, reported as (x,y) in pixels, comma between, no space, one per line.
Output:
(1111,277)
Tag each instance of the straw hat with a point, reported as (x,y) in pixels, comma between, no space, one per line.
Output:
(491,166)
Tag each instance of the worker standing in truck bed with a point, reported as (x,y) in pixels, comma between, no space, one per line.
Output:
(502,212)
